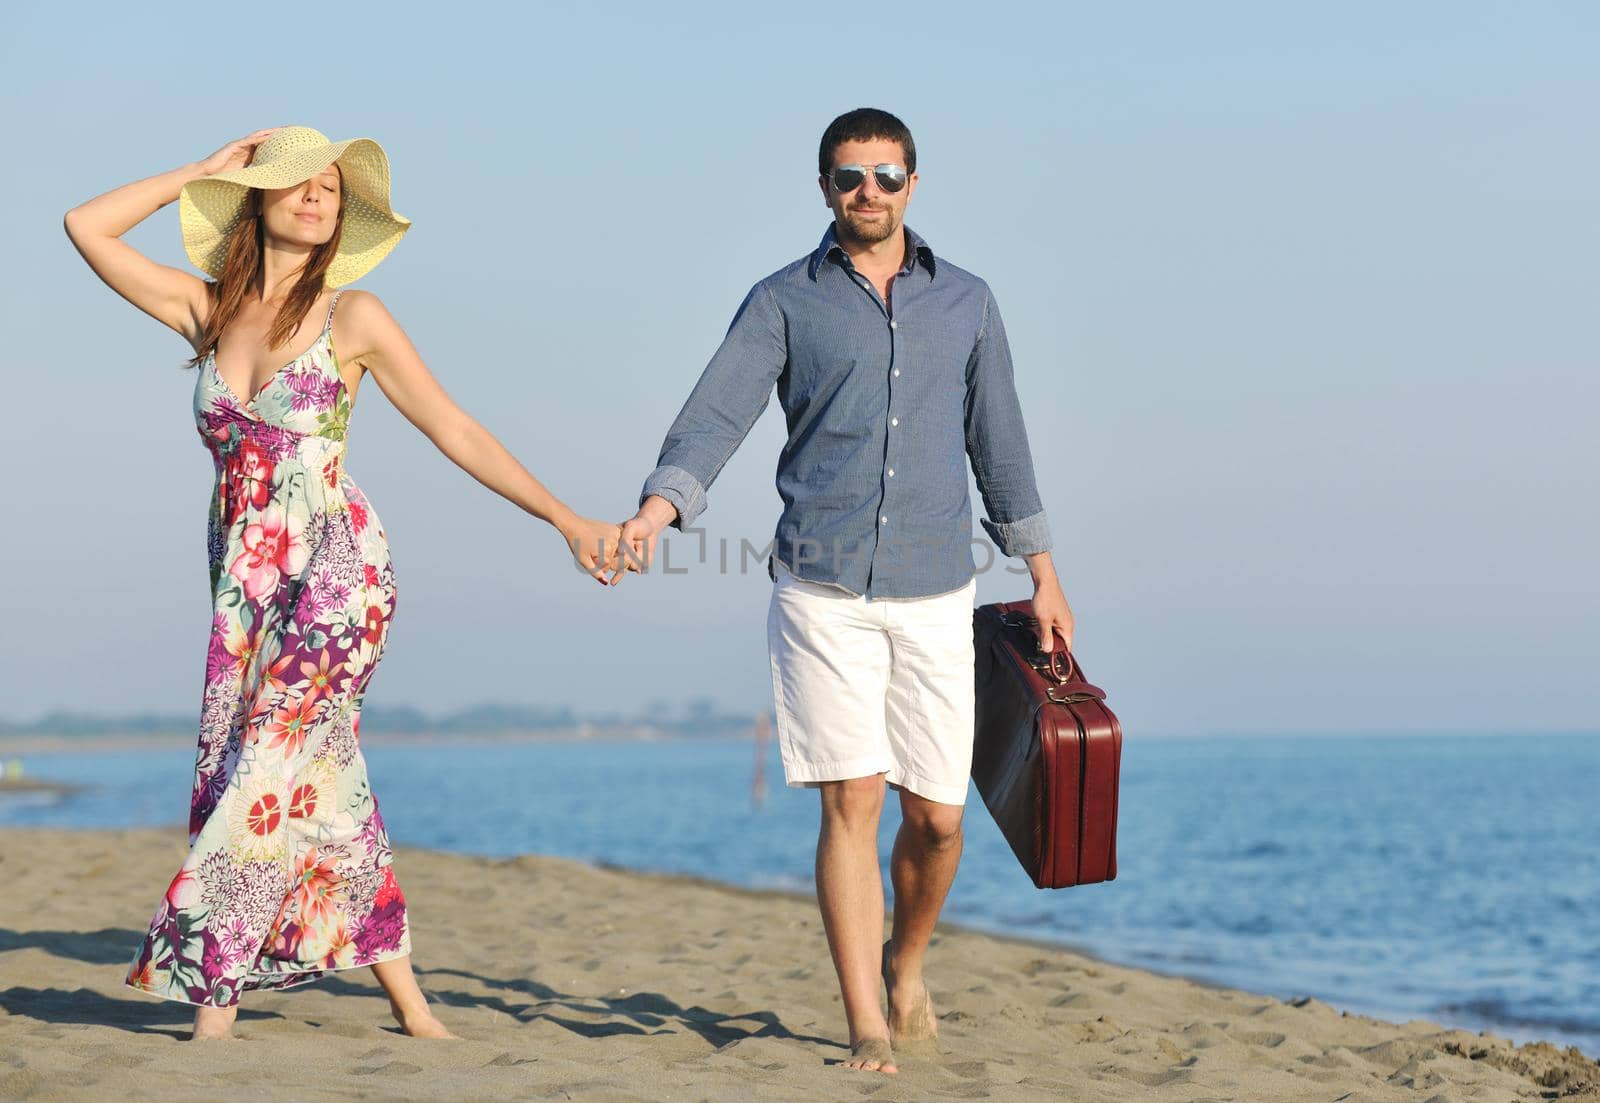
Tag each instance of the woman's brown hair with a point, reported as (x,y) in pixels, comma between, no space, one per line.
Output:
(242,269)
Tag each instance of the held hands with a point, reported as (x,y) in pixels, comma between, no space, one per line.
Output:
(640,532)
(600,546)
(594,546)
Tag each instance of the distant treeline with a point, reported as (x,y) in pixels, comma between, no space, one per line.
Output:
(696,719)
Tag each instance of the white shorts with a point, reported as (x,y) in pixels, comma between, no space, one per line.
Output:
(873,687)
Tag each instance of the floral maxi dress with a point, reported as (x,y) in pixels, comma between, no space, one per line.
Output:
(288,873)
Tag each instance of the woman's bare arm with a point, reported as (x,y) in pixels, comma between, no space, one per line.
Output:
(380,346)
(174,298)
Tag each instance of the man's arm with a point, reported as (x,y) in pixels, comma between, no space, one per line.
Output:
(731,394)
(997,445)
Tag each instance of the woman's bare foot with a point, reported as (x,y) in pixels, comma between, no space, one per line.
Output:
(406,1001)
(420,1023)
(912,1022)
(213,1023)
(872,1055)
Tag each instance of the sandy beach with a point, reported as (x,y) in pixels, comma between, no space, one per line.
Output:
(571,982)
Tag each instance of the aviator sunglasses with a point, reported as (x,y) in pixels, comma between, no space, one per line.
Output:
(847,178)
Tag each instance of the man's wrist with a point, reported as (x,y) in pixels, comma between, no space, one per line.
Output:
(1043,569)
(658,512)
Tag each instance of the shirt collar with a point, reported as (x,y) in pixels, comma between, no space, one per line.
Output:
(916,250)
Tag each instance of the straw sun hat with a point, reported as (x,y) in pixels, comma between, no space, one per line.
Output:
(209,208)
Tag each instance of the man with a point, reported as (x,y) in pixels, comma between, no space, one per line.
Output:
(892,368)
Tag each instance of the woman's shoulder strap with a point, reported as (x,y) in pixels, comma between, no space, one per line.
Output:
(334,303)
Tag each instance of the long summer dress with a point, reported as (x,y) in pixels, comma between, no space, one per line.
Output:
(288,874)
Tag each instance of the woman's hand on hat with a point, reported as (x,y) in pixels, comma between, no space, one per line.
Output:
(236,154)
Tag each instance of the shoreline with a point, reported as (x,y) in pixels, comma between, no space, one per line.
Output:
(1280,969)
(1526,1033)
(561,976)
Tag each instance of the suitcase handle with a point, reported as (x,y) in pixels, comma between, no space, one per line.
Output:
(1056,664)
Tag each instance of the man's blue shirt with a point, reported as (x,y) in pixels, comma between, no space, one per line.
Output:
(884,407)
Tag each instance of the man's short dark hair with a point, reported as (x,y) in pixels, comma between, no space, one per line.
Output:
(863,125)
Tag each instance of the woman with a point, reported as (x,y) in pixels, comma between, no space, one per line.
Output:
(288,874)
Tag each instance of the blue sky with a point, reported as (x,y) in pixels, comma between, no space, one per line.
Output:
(1301,301)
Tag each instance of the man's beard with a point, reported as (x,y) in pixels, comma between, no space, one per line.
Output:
(870,233)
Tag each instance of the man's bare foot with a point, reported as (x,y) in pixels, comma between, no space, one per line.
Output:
(420,1023)
(912,1022)
(213,1023)
(872,1055)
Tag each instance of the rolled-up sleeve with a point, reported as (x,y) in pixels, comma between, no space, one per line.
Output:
(732,392)
(997,444)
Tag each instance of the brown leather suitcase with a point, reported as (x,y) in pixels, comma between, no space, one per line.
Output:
(1046,751)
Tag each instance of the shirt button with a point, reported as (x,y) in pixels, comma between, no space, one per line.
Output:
(891,472)
(894,421)
(894,325)
(883,520)
(897,373)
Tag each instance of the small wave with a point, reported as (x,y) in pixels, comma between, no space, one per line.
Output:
(1253,925)
(1181,957)
(1500,1011)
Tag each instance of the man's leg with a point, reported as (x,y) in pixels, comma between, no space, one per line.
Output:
(927,850)
(850,894)
(830,673)
(930,721)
